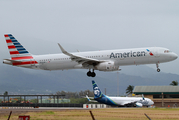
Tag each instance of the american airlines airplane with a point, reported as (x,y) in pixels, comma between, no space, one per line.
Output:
(119,101)
(107,60)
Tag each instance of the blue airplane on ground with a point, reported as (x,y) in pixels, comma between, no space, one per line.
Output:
(119,101)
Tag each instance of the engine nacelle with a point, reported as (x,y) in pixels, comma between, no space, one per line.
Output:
(138,104)
(107,66)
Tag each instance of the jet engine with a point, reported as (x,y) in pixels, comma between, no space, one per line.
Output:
(138,104)
(107,66)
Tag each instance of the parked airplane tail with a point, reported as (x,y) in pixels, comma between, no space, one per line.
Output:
(19,55)
(96,90)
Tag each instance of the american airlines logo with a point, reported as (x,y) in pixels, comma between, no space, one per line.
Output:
(127,54)
(150,52)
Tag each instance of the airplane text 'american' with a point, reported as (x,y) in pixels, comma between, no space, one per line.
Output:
(127,54)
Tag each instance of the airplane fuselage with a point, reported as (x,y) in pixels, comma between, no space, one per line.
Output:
(121,57)
(107,60)
(125,101)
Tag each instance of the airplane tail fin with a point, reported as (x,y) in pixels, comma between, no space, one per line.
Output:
(96,90)
(16,50)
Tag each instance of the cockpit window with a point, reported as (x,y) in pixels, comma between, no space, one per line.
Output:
(167,51)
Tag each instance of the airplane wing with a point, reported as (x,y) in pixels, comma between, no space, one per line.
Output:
(128,103)
(81,59)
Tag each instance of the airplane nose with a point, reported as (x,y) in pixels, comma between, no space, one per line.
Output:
(151,102)
(175,56)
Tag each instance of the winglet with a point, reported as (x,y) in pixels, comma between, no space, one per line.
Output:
(62,49)
(143,97)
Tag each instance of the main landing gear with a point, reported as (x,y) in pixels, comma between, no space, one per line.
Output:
(91,74)
(158,70)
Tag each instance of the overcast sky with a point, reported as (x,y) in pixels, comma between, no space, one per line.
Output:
(91,25)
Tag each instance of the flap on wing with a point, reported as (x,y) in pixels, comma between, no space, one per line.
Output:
(80,59)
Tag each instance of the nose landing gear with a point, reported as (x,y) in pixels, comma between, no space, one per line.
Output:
(91,74)
(158,70)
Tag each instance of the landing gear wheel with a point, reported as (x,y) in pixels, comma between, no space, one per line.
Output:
(89,73)
(93,74)
(158,70)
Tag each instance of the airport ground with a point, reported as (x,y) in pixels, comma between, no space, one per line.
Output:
(99,114)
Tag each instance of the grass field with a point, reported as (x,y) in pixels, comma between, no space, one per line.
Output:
(101,114)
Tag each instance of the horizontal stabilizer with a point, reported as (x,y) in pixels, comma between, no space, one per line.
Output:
(88,98)
(14,61)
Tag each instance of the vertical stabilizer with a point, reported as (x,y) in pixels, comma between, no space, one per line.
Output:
(96,90)
(16,50)
(19,55)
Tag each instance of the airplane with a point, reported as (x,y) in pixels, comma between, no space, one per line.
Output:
(106,60)
(119,101)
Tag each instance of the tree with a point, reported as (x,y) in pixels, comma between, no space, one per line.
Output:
(75,94)
(129,89)
(5,93)
(174,83)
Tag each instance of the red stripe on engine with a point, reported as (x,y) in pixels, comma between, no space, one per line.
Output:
(6,35)
(8,41)
(151,54)
(25,63)
(11,47)
(14,52)
(19,58)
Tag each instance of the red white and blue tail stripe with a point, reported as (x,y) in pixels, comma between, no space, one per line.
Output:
(18,52)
